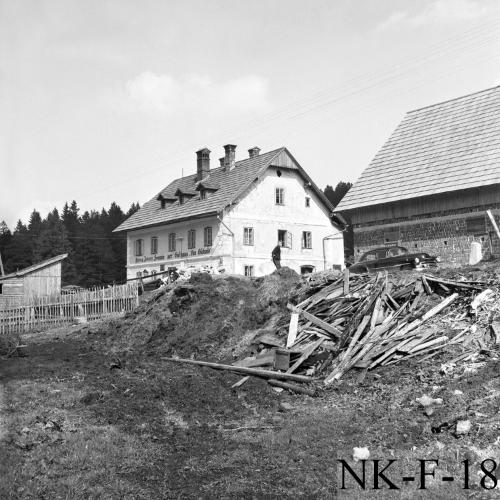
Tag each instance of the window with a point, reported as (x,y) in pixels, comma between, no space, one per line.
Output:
(307,269)
(162,268)
(203,194)
(280,196)
(171,242)
(476,225)
(391,236)
(154,245)
(248,271)
(1,288)
(248,236)
(191,239)
(308,201)
(285,238)
(207,237)
(138,248)
(306,239)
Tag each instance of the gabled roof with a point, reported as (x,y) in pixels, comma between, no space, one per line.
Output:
(35,267)
(231,186)
(445,147)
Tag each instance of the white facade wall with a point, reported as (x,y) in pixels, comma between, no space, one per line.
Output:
(258,209)
(182,257)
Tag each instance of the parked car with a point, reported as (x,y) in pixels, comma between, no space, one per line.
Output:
(393,258)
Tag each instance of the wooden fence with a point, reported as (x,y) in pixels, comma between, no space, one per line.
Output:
(42,313)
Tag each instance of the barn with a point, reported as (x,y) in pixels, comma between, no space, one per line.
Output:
(430,186)
(41,279)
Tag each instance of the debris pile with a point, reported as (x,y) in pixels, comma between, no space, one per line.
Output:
(341,322)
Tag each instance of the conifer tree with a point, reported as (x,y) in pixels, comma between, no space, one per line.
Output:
(20,250)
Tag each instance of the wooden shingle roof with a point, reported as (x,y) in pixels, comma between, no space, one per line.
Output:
(230,185)
(445,147)
(35,267)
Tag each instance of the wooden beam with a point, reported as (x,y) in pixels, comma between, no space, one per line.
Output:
(346,281)
(307,352)
(493,223)
(318,322)
(241,369)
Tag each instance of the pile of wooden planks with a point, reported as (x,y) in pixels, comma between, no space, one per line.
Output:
(375,322)
(340,322)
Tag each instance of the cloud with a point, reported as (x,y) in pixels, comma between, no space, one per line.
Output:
(439,12)
(165,94)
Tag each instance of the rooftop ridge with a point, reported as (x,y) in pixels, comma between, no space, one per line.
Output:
(452,99)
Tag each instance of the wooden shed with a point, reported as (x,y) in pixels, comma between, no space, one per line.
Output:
(41,279)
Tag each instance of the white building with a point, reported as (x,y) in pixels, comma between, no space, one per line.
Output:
(232,216)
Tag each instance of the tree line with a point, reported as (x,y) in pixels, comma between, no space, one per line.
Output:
(96,255)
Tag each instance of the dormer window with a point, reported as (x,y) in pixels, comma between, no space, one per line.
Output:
(206,187)
(165,200)
(183,195)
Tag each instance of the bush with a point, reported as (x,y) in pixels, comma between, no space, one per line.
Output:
(9,343)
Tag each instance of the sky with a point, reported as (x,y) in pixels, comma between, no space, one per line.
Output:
(108,100)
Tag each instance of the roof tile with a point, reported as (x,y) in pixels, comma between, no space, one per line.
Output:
(230,185)
(445,147)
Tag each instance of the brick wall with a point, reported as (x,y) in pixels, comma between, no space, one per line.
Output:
(448,236)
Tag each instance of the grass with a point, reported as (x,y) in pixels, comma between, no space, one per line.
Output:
(75,428)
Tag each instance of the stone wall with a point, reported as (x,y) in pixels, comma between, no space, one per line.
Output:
(448,236)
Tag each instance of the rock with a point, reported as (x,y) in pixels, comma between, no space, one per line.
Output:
(284,406)
(463,427)
(360,454)
(457,392)
(426,401)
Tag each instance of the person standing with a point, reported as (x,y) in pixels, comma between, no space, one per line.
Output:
(276,255)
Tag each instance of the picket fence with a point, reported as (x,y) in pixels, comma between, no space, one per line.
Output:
(42,313)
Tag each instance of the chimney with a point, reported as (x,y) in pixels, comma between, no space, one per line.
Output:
(255,151)
(202,163)
(229,158)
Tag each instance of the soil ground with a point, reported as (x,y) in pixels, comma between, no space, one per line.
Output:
(84,416)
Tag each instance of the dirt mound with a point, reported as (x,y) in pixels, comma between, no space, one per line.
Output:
(209,318)
(275,288)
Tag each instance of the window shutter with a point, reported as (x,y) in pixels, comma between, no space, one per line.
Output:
(289,239)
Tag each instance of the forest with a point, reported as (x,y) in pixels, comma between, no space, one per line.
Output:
(96,255)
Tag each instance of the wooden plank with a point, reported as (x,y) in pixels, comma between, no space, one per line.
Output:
(456,284)
(495,327)
(240,382)
(427,288)
(318,322)
(292,329)
(241,369)
(493,223)
(346,281)
(307,352)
